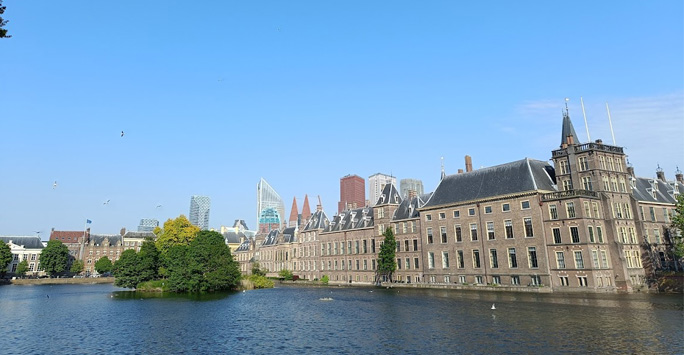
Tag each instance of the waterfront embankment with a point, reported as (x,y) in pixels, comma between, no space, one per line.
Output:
(64,281)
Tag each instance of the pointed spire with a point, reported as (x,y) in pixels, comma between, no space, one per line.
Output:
(443,174)
(306,210)
(294,213)
(568,135)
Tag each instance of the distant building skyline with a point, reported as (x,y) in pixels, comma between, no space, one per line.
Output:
(406,185)
(148,224)
(270,207)
(199,211)
(352,192)
(376,182)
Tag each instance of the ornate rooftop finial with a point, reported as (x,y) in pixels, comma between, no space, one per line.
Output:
(659,169)
(568,135)
(443,174)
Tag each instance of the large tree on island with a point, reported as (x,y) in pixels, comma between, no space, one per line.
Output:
(203,266)
(126,270)
(54,257)
(103,265)
(3,32)
(76,267)
(5,256)
(177,231)
(386,258)
(149,260)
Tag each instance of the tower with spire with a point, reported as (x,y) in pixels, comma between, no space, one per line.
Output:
(594,202)
(294,214)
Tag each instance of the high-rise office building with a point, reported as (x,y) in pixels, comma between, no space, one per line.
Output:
(147,224)
(352,192)
(407,185)
(270,208)
(375,184)
(199,211)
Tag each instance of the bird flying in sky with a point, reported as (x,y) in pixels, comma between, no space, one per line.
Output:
(122,133)
(54,185)
(106,202)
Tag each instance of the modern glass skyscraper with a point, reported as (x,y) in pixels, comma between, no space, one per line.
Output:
(270,208)
(376,183)
(147,224)
(199,211)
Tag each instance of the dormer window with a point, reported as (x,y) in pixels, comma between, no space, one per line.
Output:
(382,198)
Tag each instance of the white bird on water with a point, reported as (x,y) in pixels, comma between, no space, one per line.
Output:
(493,306)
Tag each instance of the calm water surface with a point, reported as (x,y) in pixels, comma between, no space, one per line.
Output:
(88,319)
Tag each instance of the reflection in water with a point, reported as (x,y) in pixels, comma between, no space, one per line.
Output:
(102,318)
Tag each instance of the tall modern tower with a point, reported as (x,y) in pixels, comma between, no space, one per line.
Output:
(270,208)
(147,224)
(406,185)
(352,192)
(199,211)
(375,184)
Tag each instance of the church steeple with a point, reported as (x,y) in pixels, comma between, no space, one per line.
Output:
(306,210)
(568,136)
(294,214)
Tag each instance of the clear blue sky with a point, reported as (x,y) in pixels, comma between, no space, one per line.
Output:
(213,95)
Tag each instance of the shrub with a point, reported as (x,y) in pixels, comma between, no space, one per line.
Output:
(325,279)
(261,281)
(285,274)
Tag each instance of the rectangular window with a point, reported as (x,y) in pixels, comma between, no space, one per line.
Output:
(582,281)
(461,261)
(356,246)
(587,210)
(529,233)
(398,264)
(535,280)
(563,165)
(586,183)
(443,234)
(574,232)
(406,245)
(445,260)
(553,211)
(415,263)
(431,260)
(429,235)
(457,231)
(556,235)
(476,259)
(567,185)
(594,206)
(428,217)
(652,212)
(515,280)
(666,217)
(373,246)
(560,260)
(478,280)
(656,234)
(415,244)
(457,214)
(442,215)
(365,246)
(579,263)
(512,260)
(532,257)
(525,205)
(357,264)
(570,206)
(595,259)
(493,260)
(505,207)
(462,279)
(632,235)
(496,280)
(508,226)
(473,231)
(471,212)
(564,280)
(490,230)
(599,234)
(591,234)
(488,209)
(408,264)
(583,164)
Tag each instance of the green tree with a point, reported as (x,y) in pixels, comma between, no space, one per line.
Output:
(126,270)
(149,260)
(76,267)
(22,268)
(3,32)
(203,266)
(257,270)
(386,258)
(54,257)
(177,231)
(285,274)
(5,257)
(103,265)
(677,231)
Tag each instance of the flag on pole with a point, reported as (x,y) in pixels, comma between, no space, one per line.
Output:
(88,221)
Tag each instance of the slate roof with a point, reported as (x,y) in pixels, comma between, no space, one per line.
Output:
(29,242)
(99,239)
(524,175)
(271,238)
(289,235)
(135,234)
(240,222)
(317,221)
(409,207)
(244,246)
(568,130)
(389,195)
(351,219)
(232,237)
(643,189)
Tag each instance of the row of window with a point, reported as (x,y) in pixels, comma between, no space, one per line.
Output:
(652,213)
(532,261)
(505,207)
(480,280)
(338,248)
(599,259)
(575,235)
(491,234)
(570,212)
(341,265)
(583,164)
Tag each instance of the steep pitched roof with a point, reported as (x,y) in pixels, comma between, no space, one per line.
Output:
(568,130)
(134,234)
(306,210)
(352,219)
(111,239)
(29,242)
(232,237)
(271,238)
(655,190)
(289,235)
(524,175)
(409,207)
(294,211)
(317,221)
(66,236)
(389,196)
(240,222)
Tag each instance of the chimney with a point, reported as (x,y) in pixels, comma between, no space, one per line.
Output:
(599,141)
(679,176)
(468,163)
(571,140)
(411,194)
(661,175)
(319,208)
(122,231)
(460,171)
(630,170)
